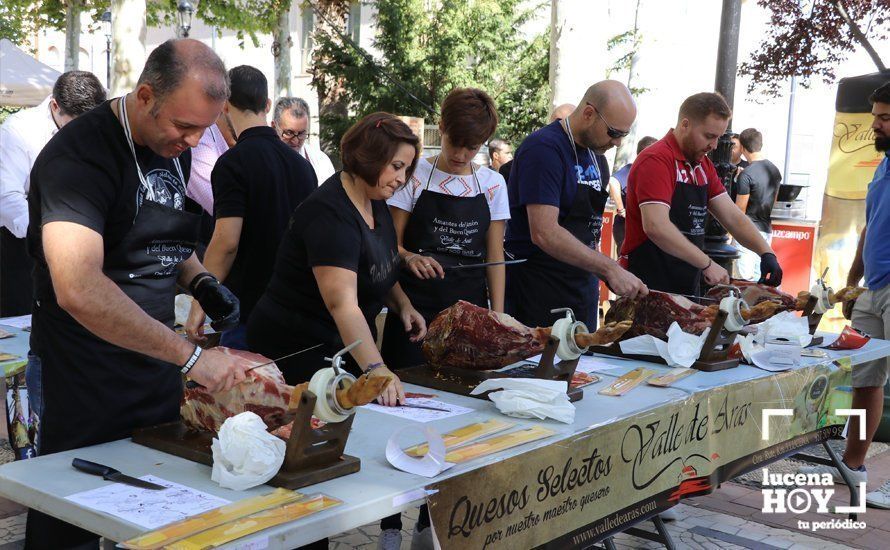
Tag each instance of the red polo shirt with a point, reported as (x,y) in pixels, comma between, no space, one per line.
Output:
(653,178)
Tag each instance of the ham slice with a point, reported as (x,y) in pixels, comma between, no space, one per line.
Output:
(472,337)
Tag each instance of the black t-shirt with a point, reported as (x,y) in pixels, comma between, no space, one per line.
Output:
(504,170)
(328,230)
(261,180)
(86,175)
(761,180)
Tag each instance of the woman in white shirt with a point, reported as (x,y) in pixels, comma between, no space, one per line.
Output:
(450,213)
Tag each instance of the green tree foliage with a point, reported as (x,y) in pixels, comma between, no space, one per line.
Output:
(247,18)
(425,53)
(20,19)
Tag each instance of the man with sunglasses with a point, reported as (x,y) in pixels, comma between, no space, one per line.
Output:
(291,120)
(671,188)
(558,191)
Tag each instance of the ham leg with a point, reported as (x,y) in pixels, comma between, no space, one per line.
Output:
(471,337)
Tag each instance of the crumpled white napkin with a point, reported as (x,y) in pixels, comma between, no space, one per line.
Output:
(749,346)
(530,398)
(681,349)
(786,324)
(245,454)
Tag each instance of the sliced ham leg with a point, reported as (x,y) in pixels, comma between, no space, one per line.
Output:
(471,337)
(265,393)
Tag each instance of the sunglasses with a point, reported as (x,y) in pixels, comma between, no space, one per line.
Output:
(290,134)
(614,133)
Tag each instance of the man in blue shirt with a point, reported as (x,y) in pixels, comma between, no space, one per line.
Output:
(558,190)
(871,312)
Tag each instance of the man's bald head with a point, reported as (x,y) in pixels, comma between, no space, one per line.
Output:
(562,111)
(604,116)
(611,95)
(172,62)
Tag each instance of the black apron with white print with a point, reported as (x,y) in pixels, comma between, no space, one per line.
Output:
(95,391)
(453,230)
(689,211)
(543,283)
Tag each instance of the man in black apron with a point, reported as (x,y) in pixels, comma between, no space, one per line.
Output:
(110,241)
(671,187)
(558,192)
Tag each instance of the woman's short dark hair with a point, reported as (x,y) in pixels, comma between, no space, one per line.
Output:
(469,117)
(371,143)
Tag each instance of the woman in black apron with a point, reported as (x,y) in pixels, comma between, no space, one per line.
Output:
(543,283)
(443,231)
(433,215)
(662,271)
(93,391)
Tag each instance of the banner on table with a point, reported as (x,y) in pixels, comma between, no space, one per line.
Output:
(577,490)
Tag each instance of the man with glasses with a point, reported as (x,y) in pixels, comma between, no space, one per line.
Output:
(671,188)
(499,153)
(291,120)
(558,191)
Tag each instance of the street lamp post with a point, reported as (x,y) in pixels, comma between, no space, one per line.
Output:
(106,26)
(185,10)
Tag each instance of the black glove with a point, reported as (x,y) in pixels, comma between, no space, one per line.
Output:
(769,267)
(217,301)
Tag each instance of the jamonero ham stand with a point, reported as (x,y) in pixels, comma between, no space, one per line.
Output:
(312,455)
(721,336)
(816,306)
(561,345)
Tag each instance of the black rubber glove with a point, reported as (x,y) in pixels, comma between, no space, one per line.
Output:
(217,301)
(770,271)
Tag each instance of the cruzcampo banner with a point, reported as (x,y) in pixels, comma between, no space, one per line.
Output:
(576,491)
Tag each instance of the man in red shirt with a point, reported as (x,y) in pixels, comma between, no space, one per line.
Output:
(671,187)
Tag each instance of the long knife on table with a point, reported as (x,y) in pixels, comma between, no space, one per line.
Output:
(484,264)
(110,474)
(191,384)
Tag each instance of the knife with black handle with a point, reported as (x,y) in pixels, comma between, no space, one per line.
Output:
(110,474)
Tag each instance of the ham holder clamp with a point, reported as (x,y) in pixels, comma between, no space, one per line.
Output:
(314,451)
(653,314)
(467,345)
(766,301)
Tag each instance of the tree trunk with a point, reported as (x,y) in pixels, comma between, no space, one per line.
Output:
(128,30)
(626,151)
(73,9)
(859,35)
(572,39)
(331,90)
(281,50)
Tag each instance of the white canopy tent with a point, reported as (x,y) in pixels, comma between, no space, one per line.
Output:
(24,81)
